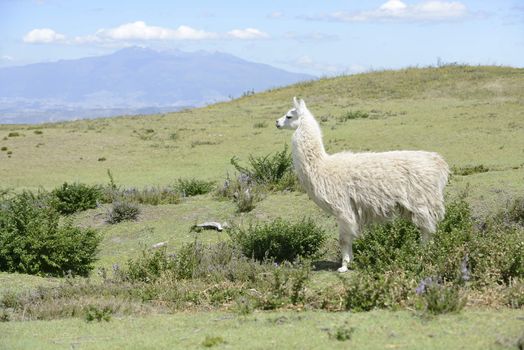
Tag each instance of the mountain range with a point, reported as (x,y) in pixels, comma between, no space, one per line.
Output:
(130,81)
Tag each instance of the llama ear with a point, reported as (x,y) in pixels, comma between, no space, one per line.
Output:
(296,103)
(302,105)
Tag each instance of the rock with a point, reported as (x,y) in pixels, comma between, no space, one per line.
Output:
(159,244)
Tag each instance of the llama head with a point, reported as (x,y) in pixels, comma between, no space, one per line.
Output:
(291,119)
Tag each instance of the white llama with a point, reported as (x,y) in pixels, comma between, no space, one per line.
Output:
(361,188)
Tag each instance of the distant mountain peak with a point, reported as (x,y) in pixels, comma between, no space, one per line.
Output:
(131,79)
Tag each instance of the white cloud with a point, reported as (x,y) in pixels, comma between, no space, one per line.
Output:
(432,10)
(139,30)
(43,36)
(306,62)
(6,58)
(248,33)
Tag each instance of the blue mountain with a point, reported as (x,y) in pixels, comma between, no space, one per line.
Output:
(130,81)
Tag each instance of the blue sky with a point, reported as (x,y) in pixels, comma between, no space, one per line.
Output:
(321,37)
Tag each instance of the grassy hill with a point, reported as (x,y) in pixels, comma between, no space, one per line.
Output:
(473,116)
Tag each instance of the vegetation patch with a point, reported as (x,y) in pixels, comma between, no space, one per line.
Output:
(281,240)
(211,341)
(194,187)
(274,171)
(75,197)
(469,170)
(149,195)
(122,211)
(350,115)
(34,241)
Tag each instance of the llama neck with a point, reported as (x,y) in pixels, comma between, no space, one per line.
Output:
(308,148)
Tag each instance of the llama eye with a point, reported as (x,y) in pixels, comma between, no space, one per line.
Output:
(289,116)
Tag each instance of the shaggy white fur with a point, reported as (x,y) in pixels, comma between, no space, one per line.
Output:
(362,188)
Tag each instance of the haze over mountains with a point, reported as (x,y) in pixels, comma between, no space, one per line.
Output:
(130,81)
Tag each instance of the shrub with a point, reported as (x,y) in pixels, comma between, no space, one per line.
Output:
(212,341)
(122,211)
(469,170)
(353,115)
(366,291)
(149,266)
(242,191)
(93,313)
(194,187)
(496,256)
(440,299)
(511,215)
(4,148)
(13,134)
(515,294)
(33,241)
(342,333)
(396,245)
(280,240)
(149,195)
(216,263)
(72,198)
(389,247)
(273,170)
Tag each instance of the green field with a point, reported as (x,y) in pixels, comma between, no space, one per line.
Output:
(473,116)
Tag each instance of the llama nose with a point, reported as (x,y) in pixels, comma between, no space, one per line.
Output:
(276,124)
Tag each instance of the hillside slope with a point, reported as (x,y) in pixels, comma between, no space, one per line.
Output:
(471,115)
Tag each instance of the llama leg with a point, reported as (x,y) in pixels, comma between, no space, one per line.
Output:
(346,234)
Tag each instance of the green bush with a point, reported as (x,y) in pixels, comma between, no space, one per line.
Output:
(272,170)
(366,291)
(353,115)
(149,266)
(397,245)
(389,247)
(93,313)
(280,240)
(33,241)
(496,256)
(469,170)
(75,197)
(440,299)
(122,211)
(194,187)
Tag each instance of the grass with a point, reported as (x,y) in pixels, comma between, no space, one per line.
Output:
(465,113)
(285,330)
(471,115)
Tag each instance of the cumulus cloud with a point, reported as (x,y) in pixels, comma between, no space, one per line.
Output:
(433,10)
(139,30)
(43,36)
(247,34)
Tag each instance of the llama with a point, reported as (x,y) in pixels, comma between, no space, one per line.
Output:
(363,188)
